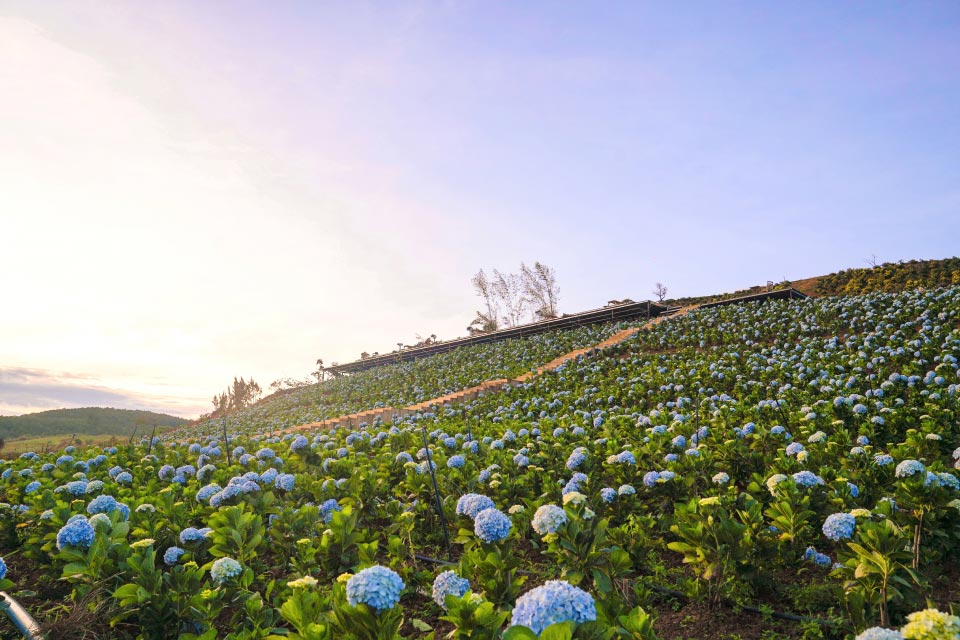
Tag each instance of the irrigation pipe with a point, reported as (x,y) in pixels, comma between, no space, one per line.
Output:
(677,594)
(22,620)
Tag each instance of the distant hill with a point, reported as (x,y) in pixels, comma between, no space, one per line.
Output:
(91,421)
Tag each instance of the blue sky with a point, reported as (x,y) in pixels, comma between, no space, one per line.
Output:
(200,190)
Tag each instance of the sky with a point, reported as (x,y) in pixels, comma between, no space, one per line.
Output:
(195,191)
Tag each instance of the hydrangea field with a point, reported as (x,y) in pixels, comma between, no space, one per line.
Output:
(778,470)
(410,382)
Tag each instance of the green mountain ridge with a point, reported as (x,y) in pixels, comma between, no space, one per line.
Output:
(85,421)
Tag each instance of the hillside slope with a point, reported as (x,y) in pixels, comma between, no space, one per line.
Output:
(86,421)
(890,277)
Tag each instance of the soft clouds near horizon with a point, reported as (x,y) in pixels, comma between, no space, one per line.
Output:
(195,191)
(31,390)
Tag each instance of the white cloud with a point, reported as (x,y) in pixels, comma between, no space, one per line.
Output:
(138,243)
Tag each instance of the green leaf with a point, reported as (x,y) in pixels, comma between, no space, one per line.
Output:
(559,631)
(74,568)
(518,632)
(420,625)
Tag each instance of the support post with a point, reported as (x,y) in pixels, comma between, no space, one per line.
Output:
(436,491)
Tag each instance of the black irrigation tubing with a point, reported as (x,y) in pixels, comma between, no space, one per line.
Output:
(675,594)
(226,443)
(152,436)
(436,491)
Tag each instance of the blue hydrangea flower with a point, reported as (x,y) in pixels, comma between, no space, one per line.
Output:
(190,534)
(204,472)
(679,442)
(670,457)
(548,519)
(327,509)
(555,601)
(167,472)
(124,477)
(721,478)
(879,633)
(470,504)
(204,494)
(608,495)
(626,490)
(224,569)
(492,525)
(76,487)
(3,569)
(456,462)
(377,587)
(172,556)
(102,504)
(446,584)
(626,457)
(76,533)
(949,480)
(94,486)
(909,467)
(300,443)
(882,459)
(577,458)
(285,481)
(816,557)
(650,478)
(32,487)
(839,526)
(794,448)
(807,479)
(403,457)
(575,483)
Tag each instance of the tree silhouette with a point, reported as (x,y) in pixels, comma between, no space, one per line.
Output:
(660,291)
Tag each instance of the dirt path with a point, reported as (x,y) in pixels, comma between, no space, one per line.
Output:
(490,386)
